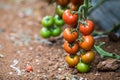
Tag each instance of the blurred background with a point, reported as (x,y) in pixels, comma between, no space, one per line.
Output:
(107,14)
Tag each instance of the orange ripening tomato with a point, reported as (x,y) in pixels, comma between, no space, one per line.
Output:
(88,57)
(74,7)
(72,60)
(71,48)
(70,35)
(69,18)
(87,43)
(63,2)
(87,29)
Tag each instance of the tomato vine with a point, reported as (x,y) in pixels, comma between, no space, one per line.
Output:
(79,41)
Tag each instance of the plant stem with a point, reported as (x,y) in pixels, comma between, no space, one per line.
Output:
(105,54)
(79,13)
(86,4)
(79,18)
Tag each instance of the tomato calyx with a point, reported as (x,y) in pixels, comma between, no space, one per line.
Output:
(72,55)
(81,39)
(71,44)
(82,51)
(84,23)
(73,30)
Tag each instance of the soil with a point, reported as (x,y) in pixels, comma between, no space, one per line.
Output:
(21,46)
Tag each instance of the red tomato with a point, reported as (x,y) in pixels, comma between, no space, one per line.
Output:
(87,29)
(71,48)
(63,2)
(72,60)
(69,18)
(87,43)
(70,35)
(88,57)
(29,68)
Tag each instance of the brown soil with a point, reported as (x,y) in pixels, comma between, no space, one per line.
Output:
(20,41)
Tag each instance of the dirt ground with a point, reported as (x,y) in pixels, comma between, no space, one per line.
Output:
(21,45)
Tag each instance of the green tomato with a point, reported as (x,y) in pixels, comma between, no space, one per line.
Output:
(47,21)
(60,10)
(45,32)
(82,67)
(56,31)
(58,20)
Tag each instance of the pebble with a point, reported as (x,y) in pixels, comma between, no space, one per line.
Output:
(18,52)
(10,73)
(1,56)
(81,78)
(1,30)
(30,48)
(1,46)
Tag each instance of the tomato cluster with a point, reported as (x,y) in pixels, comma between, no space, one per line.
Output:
(51,26)
(78,40)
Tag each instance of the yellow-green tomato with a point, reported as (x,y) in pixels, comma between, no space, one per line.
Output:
(56,31)
(72,60)
(60,10)
(82,67)
(47,21)
(58,20)
(45,32)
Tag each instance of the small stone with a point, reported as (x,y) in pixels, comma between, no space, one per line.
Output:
(97,74)
(30,48)
(81,78)
(10,73)
(1,56)
(1,46)
(18,52)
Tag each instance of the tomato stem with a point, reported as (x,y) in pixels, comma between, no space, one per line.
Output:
(85,12)
(104,53)
(82,51)
(55,9)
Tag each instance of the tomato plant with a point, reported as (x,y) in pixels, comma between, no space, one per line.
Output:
(47,21)
(87,42)
(77,36)
(45,32)
(58,21)
(82,67)
(87,57)
(87,28)
(69,18)
(56,30)
(70,35)
(72,60)
(71,48)
(63,2)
